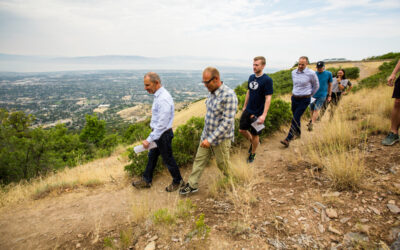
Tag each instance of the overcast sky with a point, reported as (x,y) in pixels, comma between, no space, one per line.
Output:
(237,30)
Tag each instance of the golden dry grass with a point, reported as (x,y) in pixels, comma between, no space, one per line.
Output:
(338,143)
(196,109)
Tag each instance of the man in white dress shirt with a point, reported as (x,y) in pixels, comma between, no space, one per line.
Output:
(162,134)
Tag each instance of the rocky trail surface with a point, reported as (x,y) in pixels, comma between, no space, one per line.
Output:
(291,205)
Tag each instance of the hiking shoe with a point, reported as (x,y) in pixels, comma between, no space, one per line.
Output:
(310,126)
(187,189)
(174,186)
(251,158)
(141,184)
(285,143)
(390,139)
(251,148)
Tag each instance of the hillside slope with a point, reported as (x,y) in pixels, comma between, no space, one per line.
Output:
(283,201)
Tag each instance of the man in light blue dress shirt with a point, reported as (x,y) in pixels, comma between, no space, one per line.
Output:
(305,85)
(161,126)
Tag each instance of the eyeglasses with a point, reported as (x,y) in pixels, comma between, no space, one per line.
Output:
(207,82)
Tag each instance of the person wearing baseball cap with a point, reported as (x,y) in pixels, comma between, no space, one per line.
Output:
(324,92)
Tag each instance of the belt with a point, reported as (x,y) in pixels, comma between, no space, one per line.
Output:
(301,96)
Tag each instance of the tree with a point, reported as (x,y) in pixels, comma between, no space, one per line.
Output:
(94,130)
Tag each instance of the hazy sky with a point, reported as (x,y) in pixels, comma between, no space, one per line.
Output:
(237,30)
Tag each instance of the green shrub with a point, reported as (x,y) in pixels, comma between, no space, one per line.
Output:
(184,147)
(186,140)
(241,89)
(201,227)
(137,132)
(283,82)
(94,130)
(351,72)
(185,208)
(163,216)
(390,55)
(279,113)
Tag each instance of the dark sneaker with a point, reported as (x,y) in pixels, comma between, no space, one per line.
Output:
(390,139)
(310,126)
(141,184)
(251,148)
(187,189)
(251,158)
(174,186)
(285,143)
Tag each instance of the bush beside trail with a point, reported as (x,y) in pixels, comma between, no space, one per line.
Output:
(351,72)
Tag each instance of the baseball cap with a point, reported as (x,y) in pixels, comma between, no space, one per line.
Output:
(320,64)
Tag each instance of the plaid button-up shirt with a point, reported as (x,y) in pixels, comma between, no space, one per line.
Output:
(219,123)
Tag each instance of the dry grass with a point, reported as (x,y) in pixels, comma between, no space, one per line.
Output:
(91,174)
(197,109)
(242,175)
(372,108)
(338,144)
(345,169)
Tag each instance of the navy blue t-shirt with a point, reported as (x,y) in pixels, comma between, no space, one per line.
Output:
(259,87)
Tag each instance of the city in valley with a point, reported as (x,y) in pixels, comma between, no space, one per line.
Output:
(117,96)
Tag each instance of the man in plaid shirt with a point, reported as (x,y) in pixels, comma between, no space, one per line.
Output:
(218,131)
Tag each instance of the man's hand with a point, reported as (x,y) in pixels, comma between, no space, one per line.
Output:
(261,119)
(146,144)
(329,99)
(205,144)
(391,80)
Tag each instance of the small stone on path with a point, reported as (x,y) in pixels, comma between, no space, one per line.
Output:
(150,246)
(331,213)
(334,230)
(375,210)
(355,237)
(393,208)
(344,220)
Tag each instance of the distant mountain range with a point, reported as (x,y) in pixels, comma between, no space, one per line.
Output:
(26,63)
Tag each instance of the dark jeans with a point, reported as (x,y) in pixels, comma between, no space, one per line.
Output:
(299,105)
(164,148)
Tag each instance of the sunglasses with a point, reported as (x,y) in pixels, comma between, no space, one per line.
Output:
(207,82)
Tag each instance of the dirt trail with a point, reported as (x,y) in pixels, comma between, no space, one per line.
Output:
(86,212)
(52,221)
(86,215)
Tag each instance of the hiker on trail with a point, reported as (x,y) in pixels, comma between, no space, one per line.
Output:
(340,86)
(323,94)
(218,131)
(256,105)
(162,134)
(393,136)
(305,85)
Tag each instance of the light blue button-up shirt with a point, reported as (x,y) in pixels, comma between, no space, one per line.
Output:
(304,82)
(162,114)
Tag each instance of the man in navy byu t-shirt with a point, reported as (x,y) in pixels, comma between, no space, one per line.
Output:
(256,104)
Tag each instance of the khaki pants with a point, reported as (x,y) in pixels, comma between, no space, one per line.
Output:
(203,155)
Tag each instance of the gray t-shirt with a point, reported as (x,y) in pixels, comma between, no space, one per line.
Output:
(335,85)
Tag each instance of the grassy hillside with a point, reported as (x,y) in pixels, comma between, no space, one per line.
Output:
(333,183)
